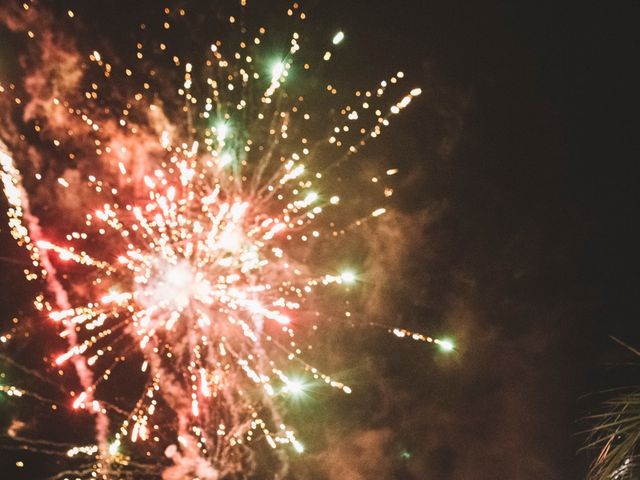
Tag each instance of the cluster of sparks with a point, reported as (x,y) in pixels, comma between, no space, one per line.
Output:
(187,267)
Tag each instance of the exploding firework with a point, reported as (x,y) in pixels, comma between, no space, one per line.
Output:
(196,185)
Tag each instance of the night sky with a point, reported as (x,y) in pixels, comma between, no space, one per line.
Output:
(514,234)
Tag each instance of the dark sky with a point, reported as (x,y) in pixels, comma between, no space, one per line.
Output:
(522,152)
(517,208)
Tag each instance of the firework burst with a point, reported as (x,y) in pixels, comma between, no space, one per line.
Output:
(186,266)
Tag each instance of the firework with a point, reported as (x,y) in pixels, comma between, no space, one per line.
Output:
(186,265)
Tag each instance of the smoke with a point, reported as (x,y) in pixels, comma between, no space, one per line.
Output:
(55,83)
(12,181)
(485,411)
(51,85)
(53,68)
(392,241)
(188,463)
(362,455)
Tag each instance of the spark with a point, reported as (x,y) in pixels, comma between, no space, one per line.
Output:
(348,277)
(277,71)
(445,345)
(294,386)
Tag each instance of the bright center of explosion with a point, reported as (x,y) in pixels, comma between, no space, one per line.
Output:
(174,286)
